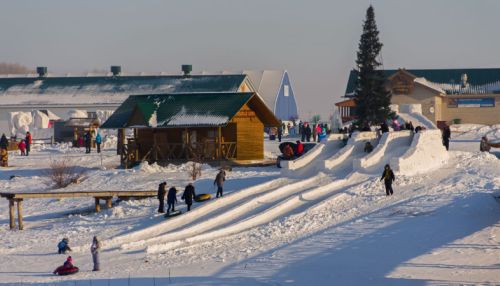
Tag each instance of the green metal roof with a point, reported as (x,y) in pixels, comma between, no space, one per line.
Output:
(121,84)
(475,77)
(178,110)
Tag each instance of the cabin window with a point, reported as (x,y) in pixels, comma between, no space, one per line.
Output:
(91,114)
(287,90)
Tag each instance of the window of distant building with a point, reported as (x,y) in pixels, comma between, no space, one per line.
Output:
(287,90)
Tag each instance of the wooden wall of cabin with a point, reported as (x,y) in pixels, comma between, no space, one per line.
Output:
(249,135)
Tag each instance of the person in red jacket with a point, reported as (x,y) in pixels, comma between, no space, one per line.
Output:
(300,148)
(22,147)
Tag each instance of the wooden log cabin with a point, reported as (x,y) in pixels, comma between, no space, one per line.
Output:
(192,126)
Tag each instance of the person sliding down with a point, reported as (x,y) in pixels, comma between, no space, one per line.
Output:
(67,268)
(63,246)
(288,152)
(388,177)
(171,199)
(368,147)
(189,195)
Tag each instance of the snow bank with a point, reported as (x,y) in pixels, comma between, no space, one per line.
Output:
(426,153)
(398,138)
(356,142)
(333,141)
(475,132)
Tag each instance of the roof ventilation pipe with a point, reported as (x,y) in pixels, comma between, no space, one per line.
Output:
(42,71)
(186,69)
(116,70)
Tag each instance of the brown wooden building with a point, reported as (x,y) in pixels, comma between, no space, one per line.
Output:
(187,126)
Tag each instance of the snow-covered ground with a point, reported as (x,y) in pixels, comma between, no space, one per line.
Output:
(335,227)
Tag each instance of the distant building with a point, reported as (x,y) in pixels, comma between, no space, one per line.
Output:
(192,126)
(275,88)
(460,95)
(61,94)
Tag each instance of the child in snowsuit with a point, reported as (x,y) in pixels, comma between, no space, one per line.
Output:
(98,141)
(63,246)
(388,177)
(484,146)
(189,195)
(171,199)
(22,147)
(219,180)
(94,249)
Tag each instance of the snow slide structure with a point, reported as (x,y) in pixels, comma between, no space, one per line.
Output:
(321,151)
(413,113)
(425,153)
(267,202)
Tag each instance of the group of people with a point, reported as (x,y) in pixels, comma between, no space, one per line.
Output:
(317,132)
(86,140)
(189,194)
(68,267)
(24,146)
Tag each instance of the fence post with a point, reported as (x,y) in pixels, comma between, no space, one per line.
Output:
(52,142)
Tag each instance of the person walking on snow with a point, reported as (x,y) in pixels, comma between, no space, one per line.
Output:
(219,180)
(189,195)
(171,199)
(98,140)
(161,196)
(28,140)
(280,133)
(95,248)
(446,136)
(388,177)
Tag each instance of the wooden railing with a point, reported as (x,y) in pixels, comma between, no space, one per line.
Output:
(199,151)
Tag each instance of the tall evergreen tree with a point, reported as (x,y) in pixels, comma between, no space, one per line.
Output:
(371,97)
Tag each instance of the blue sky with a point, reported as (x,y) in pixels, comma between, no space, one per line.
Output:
(316,41)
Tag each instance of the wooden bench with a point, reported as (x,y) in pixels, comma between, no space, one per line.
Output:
(107,196)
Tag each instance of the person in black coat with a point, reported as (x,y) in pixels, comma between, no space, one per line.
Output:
(171,199)
(384,128)
(388,177)
(88,140)
(446,136)
(189,195)
(161,196)
(308,132)
(4,143)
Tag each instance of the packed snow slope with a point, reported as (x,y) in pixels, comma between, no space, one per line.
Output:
(441,227)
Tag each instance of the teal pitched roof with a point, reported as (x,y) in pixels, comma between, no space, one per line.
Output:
(180,110)
(120,84)
(480,80)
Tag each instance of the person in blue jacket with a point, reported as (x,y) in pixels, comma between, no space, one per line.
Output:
(63,246)
(171,199)
(98,141)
